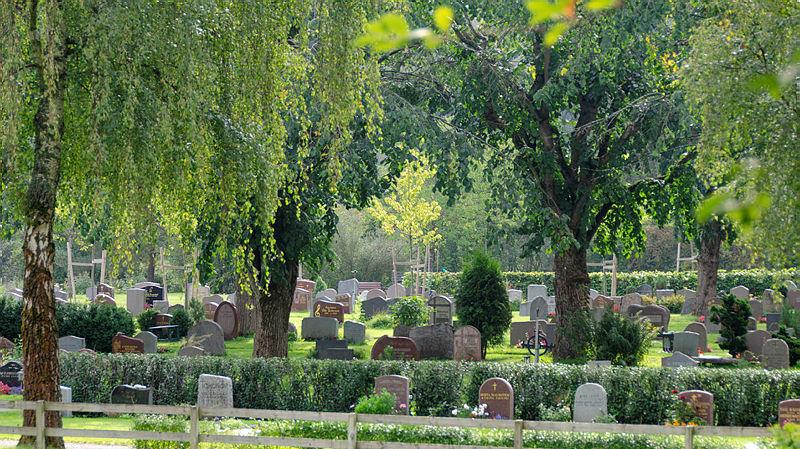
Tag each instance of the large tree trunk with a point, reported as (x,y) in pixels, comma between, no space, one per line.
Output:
(572,304)
(274,309)
(708,265)
(39,326)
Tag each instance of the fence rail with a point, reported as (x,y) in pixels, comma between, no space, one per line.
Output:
(194,437)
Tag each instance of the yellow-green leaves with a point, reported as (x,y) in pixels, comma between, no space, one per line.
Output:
(392,31)
(562,13)
(744,212)
(404,210)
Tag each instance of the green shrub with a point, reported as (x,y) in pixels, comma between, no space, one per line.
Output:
(181,319)
(147,319)
(197,312)
(482,299)
(381,321)
(97,323)
(756,280)
(377,404)
(732,314)
(10,317)
(636,395)
(621,340)
(410,311)
(674,303)
(160,423)
(556,413)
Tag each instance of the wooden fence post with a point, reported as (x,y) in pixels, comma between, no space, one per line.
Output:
(194,428)
(352,431)
(518,434)
(689,438)
(41,425)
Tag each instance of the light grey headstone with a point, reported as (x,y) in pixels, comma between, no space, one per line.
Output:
(214,391)
(150,341)
(376,293)
(645,289)
(71,343)
(217,299)
(629,300)
(514,295)
(598,363)
(686,342)
(702,332)
(775,354)
(135,297)
(525,308)
(663,293)
(191,351)
(91,292)
(538,309)
(161,306)
(678,359)
(740,291)
(689,298)
(355,332)
(755,340)
(395,291)
(208,335)
(348,286)
(756,309)
(551,304)
(536,290)
(593,294)
(61,294)
(319,328)
(66,397)
(327,293)
(591,401)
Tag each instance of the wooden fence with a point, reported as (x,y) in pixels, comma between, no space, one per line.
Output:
(194,437)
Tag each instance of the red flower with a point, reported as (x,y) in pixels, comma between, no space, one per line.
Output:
(674,391)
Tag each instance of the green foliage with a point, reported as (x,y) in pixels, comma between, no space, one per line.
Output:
(621,340)
(482,300)
(673,303)
(147,319)
(182,319)
(11,317)
(381,321)
(742,397)
(410,311)
(787,437)
(556,413)
(732,315)
(377,404)
(160,423)
(756,280)
(196,311)
(788,332)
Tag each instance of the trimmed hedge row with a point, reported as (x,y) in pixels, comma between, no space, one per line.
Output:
(743,397)
(756,280)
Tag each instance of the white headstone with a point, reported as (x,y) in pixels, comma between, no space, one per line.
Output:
(135,303)
(591,401)
(214,391)
(536,290)
(66,397)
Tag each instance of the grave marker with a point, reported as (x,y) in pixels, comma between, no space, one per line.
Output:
(434,341)
(301,301)
(191,351)
(467,344)
(208,335)
(71,343)
(538,309)
(498,396)
(162,319)
(702,332)
(150,341)
(442,312)
(11,374)
(402,348)
(374,306)
(132,394)
(355,332)
(536,290)
(775,354)
(227,317)
(514,295)
(214,391)
(756,308)
(316,328)
(789,411)
(755,340)
(686,342)
(702,402)
(591,401)
(329,309)
(678,359)
(740,291)
(136,299)
(398,386)
(122,344)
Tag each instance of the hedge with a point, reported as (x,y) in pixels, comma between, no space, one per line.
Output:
(743,397)
(756,280)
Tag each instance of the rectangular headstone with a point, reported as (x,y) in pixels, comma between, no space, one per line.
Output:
(313,328)
(11,374)
(398,386)
(71,343)
(214,391)
(66,397)
(132,394)
(136,300)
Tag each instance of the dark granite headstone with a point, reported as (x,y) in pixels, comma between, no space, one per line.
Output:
(153,293)
(227,317)
(402,348)
(498,395)
(374,306)
(398,386)
(122,344)
(442,312)
(132,394)
(11,374)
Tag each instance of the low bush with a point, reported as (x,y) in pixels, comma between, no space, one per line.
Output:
(147,319)
(197,312)
(621,340)
(381,321)
(410,311)
(638,395)
(377,404)
(160,423)
(732,314)
(10,317)
(181,319)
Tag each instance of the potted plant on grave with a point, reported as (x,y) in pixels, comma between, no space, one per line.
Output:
(682,413)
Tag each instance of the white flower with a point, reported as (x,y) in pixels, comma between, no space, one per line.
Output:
(455,412)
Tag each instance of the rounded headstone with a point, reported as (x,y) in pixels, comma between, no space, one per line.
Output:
(498,396)
(227,317)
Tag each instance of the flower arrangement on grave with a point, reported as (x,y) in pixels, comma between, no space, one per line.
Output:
(466,411)
(551,317)
(4,389)
(683,413)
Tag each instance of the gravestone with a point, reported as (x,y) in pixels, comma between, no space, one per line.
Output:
(398,386)
(538,309)
(91,292)
(645,289)
(227,317)
(122,344)
(376,293)
(71,343)
(66,398)
(598,363)
(11,374)
(162,319)
(324,346)
(434,341)
(403,348)
(789,411)
(593,294)
(146,284)
(355,332)
(551,304)
(306,284)
(498,396)
(374,306)
(102,298)
(150,341)
(756,309)
(327,293)
(702,332)
(401,331)
(678,359)
(208,335)
(319,328)
(768,298)
(396,291)
(347,301)
(467,344)
(214,391)
(61,294)
(105,289)
(161,306)
(773,318)
(792,299)
(514,295)
(153,293)
(740,291)
(702,402)
(348,286)
(689,298)
(216,299)
(775,354)
(657,315)
(337,354)
(136,300)
(591,401)
(629,300)
(755,340)
(686,342)
(522,330)
(210,309)
(191,351)
(328,309)
(442,312)
(132,394)
(301,301)
(525,308)
(663,293)
(752,324)
(536,290)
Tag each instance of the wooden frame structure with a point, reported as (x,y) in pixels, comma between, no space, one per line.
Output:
(606,266)
(678,259)
(189,268)
(71,264)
